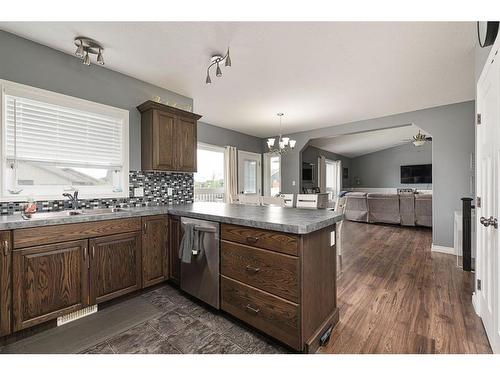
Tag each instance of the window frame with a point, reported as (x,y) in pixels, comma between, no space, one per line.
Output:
(267,172)
(213,148)
(54,192)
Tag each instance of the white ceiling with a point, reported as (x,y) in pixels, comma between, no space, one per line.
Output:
(354,145)
(318,74)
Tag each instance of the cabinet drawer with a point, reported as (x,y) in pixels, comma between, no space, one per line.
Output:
(265,239)
(272,315)
(68,232)
(268,270)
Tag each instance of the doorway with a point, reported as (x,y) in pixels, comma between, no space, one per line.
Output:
(249,173)
(487,295)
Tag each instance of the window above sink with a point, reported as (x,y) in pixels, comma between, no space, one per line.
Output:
(53,143)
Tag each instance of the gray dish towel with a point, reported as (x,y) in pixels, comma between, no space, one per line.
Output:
(190,242)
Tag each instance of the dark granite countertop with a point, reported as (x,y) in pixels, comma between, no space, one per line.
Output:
(290,220)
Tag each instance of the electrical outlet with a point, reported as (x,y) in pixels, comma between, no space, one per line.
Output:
(170,191)
(139,192)
(293,183)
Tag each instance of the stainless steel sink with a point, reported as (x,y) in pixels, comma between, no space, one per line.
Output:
(98,211)
(56,214)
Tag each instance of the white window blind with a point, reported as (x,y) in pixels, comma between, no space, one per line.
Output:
(43,132)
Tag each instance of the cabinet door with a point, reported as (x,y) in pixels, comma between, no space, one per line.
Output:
(175,236)
(5,282)
(49,281)
(154,250)
(163,141)
(115,266)
(186,142)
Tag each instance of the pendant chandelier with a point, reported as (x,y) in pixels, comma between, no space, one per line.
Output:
(283,144)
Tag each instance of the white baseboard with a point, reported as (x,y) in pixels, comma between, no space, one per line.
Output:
(443,249)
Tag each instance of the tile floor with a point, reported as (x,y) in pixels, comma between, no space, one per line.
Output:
(186,326)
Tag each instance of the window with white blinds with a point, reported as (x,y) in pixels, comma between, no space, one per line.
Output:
(53,143)
(37,131)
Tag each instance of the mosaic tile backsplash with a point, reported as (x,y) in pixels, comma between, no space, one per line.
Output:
(155,186)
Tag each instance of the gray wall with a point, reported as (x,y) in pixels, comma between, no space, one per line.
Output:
(33,64)
(310,154)
(217,136)
(452,129)
(381,169)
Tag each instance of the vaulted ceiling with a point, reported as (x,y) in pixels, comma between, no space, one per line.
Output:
(354,145)
(318,74)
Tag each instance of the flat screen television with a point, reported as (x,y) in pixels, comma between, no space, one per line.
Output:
(416,174)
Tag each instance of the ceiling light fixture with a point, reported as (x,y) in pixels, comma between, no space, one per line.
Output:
(86,46)
(284,145)
(216,60)
(420,139)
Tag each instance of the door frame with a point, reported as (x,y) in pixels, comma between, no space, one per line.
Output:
(258,158)
(478,295)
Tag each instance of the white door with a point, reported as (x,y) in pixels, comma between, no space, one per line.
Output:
(487,170)
(249,173)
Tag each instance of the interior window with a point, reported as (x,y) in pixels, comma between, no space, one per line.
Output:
(275,178)
(331,178)
(54,143)
(209,184)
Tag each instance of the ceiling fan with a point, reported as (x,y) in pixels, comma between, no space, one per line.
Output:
(419,139)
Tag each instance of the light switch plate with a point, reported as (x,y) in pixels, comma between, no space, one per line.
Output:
(139,192)
(170,191)
(293,183)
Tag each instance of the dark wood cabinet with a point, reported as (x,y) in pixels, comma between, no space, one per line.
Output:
(168,138)
(186,144)
(5,282)
(154,250)
(175,237)
(281,283)
(115,266)
(49,281)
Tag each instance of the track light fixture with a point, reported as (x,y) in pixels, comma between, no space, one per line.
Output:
(86,46)
(216,60)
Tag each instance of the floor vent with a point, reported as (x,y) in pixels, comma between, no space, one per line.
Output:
(76,315)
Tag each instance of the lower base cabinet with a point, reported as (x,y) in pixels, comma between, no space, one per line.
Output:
(175,237)
(49,281)
(5,283)
(55,279)
(154,250)
(115,267)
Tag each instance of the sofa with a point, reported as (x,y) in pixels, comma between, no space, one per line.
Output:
(356,208)
(408,209)
(383,208)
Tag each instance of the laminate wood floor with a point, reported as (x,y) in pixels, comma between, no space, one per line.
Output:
(396,296)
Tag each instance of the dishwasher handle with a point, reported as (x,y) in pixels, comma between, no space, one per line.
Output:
(205,229)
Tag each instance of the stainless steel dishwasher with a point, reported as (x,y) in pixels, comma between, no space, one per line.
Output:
(200,277)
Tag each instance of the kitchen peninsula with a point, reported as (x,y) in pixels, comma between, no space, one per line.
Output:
(277,265)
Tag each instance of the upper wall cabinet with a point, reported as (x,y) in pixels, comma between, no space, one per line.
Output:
(168,138)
